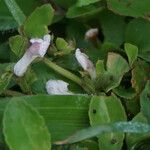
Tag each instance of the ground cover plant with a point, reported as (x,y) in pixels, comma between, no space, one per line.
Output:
(74,74)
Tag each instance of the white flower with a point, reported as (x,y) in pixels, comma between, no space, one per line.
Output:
(57,87)
(38,48)
(91,33)
(86,64)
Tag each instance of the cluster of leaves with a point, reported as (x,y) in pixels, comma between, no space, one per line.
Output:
(114,108)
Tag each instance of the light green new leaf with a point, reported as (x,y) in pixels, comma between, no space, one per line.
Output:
(132,52)
(15,11)
(145,101)
(116,66)
(24,128)
(36,24)
(134,8)
(18,45)
(63,47)
(81,3)
(103,110)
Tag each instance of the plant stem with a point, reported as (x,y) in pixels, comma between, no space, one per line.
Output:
(12,93)
(86,86)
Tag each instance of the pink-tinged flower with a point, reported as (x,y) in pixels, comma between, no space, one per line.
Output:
(57,87)
(86,64)
(91,34)
(38,48)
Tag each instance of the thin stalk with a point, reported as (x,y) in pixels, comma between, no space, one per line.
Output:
(86,86)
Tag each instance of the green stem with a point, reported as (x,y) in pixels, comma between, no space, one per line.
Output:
(12,93)
(87,87)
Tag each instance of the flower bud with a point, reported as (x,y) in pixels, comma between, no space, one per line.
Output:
(38,48)
(91,34)
(57,87)
(86,64)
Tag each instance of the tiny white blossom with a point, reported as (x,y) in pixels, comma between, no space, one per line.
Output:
(86,64)
(91,33)
(38,48)
(57,87)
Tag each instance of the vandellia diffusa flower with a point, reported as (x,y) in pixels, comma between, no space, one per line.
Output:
(38,48)
(57,87)
(86,64)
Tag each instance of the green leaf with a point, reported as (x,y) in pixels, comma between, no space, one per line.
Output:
(113,27)
(129,127)
(145,101)
(145,55)
(36,24)
(63,46)
(24,128)
(7,23)
(4,52)
(133,139)
(116,64)
(100,68)
(140,75)
(81,3)
(137,33)
(74,11)
(127,93)
(101,112)
(134,8)
(132,52)
(18,45)
(15,11)
(5,79)
(63,114)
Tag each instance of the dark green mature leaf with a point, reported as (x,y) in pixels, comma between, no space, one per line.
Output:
(4,52)
(130,127)
(24,128)
(140,75)
(145,55)
(145,101)
(122,92)
(7,23)
(107,109)
(5,79)
(36,24)
(134,8)
(137,33)
(113,27)
(133,139)
(74,11)
(63,114)
(81,3)
(132,53)
(15,11)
